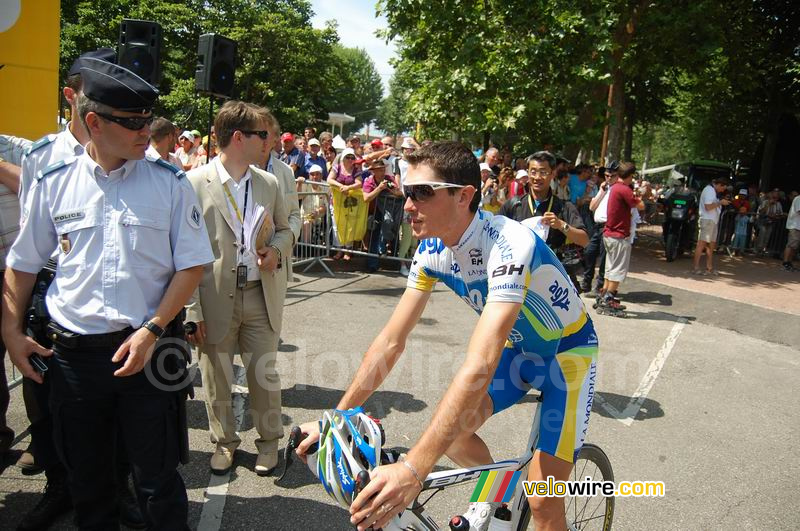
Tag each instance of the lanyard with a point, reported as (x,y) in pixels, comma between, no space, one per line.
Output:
(533,210)
(240,215)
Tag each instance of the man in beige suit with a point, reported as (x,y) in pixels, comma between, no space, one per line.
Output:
(239,304)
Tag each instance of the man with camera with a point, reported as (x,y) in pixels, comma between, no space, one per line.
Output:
(561,217)
(387,213)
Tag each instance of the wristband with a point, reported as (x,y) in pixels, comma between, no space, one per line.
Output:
(411,468)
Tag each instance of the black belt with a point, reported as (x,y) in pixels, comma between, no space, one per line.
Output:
(67,338)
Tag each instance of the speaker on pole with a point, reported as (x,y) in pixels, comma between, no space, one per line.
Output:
(139,48)
(216,65)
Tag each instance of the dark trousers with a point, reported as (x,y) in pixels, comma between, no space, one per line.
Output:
(91,408)
(6,433)
(593,253)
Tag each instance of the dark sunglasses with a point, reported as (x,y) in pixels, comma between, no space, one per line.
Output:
(134,123)
(350,157)
(261,134)
(424,191)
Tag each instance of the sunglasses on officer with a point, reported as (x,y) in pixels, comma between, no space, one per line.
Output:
(133,123)
(261,134)
(423,191)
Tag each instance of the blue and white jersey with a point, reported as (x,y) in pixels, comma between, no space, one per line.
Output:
(120,237)
(500,260)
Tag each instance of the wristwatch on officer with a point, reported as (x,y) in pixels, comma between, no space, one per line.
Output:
(565,228)
(154,328)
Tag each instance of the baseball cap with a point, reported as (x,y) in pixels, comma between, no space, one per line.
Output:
(486,167)
(196,133)
(287,136)
(520,174)
(377,144)
(315,168)
(348,151)
(187,135)
(314,142)
(377,164)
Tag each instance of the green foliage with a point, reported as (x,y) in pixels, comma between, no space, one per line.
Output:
(356,86)
(704,77)
(283,62)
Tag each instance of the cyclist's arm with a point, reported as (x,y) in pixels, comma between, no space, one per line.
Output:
(386,348)
(457,409)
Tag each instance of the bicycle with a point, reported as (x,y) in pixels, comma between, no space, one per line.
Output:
(591,462)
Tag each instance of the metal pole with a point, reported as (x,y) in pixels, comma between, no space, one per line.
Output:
(210,126)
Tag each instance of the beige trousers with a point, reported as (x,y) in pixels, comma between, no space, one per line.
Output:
(251,335)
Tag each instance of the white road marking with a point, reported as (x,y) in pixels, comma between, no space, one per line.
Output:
(217,492)
(628,415)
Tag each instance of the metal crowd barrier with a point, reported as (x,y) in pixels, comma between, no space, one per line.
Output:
(762,237)
(371,229)
(315,237)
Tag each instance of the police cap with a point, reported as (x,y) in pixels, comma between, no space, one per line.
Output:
(117,87)
(105,54)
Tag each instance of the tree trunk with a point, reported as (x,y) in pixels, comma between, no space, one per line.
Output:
(486,137)
(617,122)
(622,40)
(630,121)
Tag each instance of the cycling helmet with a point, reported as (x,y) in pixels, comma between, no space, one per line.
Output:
(349,442)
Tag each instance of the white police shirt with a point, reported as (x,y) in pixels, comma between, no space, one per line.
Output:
(44,152)
(120,237)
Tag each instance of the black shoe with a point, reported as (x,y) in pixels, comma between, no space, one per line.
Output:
(586,287)
(129,513)
(55,501)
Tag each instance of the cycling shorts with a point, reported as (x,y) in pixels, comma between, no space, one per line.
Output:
(567,384)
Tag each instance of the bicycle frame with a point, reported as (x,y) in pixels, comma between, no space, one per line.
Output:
(414,516)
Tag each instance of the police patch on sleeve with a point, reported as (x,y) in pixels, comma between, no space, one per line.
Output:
(193,216)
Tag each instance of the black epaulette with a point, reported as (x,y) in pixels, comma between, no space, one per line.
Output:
(39,144)
(179,173)
(55,167)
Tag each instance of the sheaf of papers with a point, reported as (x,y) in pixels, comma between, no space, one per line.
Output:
(258,228)
(536,225)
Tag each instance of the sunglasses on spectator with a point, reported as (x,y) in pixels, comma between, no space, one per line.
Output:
(261,134)
(425,190)
(350,157)
(133,123)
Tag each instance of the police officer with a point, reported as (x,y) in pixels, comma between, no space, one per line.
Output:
(41,453)
(132,245)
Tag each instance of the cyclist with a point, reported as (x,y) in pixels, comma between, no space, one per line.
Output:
(533,329)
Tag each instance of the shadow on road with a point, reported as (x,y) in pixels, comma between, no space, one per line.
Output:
(613,406)
(648,297)
(380,404)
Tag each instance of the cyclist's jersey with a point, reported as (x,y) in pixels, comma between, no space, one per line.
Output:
(552,346)
(501,260)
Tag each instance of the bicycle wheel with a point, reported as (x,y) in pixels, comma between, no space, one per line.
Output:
(590,513)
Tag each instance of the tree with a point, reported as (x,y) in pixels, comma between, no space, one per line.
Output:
(283,62)
(356,86)
(392,116)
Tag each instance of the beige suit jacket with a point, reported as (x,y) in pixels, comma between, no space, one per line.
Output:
(213,301)
(283,172)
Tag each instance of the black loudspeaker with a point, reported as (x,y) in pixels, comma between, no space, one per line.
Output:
(216,65)
(139,48)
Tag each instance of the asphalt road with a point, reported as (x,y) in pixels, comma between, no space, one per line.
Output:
(717,424)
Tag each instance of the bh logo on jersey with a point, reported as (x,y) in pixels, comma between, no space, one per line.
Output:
(559,296)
